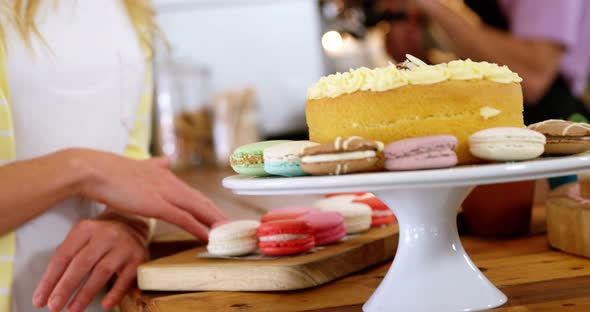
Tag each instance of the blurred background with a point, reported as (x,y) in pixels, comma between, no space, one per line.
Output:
(237,71)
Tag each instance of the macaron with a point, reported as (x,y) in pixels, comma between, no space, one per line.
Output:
(357,216)
(430,152)
(285,237)
(220,223)
(249,160)
(235,238)
(328,227)
(285,213)
(507,144)
(564,137)
(381,214)
(285,159)
(344,155)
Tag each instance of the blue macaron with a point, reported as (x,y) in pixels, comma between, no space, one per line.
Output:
(285,159)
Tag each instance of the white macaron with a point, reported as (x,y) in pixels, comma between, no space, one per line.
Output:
(507,144)
(357,216)
(235,238)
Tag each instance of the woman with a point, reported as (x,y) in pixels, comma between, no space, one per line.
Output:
(75,94)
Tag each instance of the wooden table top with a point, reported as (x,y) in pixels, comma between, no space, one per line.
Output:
(533,276)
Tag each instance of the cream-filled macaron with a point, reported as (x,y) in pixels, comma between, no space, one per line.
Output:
(507,144)
(285,159)
(564,137)
(343,155)
(357,216)
(235,238)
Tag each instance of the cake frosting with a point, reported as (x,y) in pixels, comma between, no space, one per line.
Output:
(414,72)
(488,112)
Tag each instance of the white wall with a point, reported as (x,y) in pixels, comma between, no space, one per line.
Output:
(271,44)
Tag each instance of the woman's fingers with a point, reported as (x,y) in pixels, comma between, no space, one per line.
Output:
(181,195)
(184,220)
(74,242)
(194,202)
(122,284)
(206,205)
(79,268)
(162,162)
(113,248)
(101,273)
(200,207)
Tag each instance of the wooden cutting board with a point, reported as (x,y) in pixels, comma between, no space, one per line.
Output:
(186,272)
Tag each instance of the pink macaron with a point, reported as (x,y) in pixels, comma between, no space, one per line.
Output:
(429,152)
(285,213)
(328,227)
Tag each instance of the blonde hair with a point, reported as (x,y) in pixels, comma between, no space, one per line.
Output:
(22,16)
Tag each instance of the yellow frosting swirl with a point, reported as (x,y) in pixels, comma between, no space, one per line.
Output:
(497,73)
(387,78)
(418,73)
(464,70)
(423,75)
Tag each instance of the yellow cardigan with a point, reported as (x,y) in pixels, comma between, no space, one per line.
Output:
(137,148)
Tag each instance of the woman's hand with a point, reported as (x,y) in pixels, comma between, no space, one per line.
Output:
(98,250)
(145,188)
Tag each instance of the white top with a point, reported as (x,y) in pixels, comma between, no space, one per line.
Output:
(83,92)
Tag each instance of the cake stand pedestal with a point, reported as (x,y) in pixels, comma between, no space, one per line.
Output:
(431,270)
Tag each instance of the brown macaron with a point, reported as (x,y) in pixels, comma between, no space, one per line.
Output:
(344,155)
(564,137)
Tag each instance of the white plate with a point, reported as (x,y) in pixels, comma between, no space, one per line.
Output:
(456,176)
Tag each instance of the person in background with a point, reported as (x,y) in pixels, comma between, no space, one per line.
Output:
(546,42)
(76,180)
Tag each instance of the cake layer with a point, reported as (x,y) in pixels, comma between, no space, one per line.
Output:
(452,107)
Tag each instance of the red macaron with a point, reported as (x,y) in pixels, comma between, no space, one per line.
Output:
(285,237)
(381,213)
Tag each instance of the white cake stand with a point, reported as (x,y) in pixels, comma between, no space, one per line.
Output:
(431,270)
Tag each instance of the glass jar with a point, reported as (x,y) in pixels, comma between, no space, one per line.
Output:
(183,128)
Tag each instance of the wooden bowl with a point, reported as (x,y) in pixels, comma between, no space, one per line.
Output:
(568,220)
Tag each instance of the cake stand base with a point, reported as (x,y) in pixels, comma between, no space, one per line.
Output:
(431,270)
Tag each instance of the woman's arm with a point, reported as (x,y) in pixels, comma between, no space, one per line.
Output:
(536,60)
(29,188)
(145,188)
